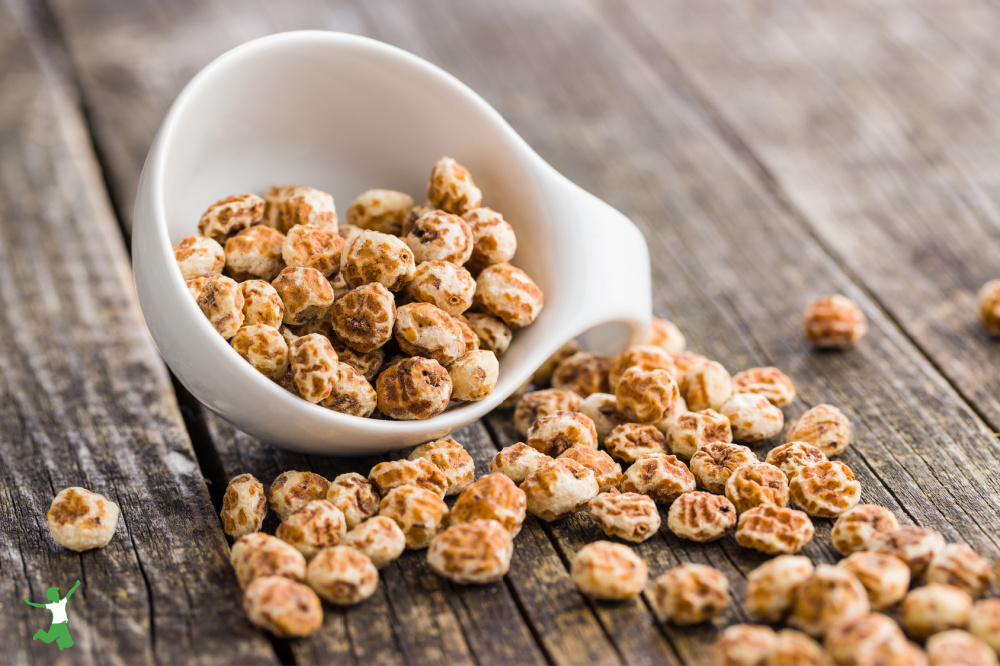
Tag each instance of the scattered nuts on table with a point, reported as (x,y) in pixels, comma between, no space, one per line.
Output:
(823,426)
(958,565)
(602,409)
(543,375)
(608,571)
(79,519)
(774,530)
(646,396)
(379,538)
(283,607)
(257,555)
(771,587)
(539,404)
(583,373)
(356,498)
(418,512)
(376,257)
(989,307)
(474,375)
(198,256)
(915,545)
(452,459)
(647,357)
(629,441)
(793,456)
(832,594)
(689,431)
(714,463)
(293,489)
(984,622)
(629,516)
(834,322)
(451,187)
(701,516)
(493,334)
(243,506)
(886,578)
(364,318)
(305,293)
(491,497)
(857,528)
(893,651)
(934,608)
(689,594)
(743,645)
(380,210)
(757,483)
(607,472)
(314,366)
(663,478)
(221,300)
(290,205)
(261,304)
(342,576)
(707,385)
(254,254)
(561,430)
(559,488)
(420,472)
(846,637)
(312,527)
(413,388)
(493,239)
(230,215)
(517,461)
(958,647)
(443,284)
(825,489)
(752,417)
(476,552)
(769,382)
(795,647)
(264,348)
(509,293)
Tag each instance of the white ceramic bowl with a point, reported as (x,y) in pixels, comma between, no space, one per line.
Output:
(344,113)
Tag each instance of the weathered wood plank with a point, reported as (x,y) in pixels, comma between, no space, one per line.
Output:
(84,400)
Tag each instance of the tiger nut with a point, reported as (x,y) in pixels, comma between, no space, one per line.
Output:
(452,459)
(517,461)
(607,472)
(958,565)
(743,645)
(414,388)
(469,336)
(418,512)
(413,215)
(312,527)
(665,335)
(714,463)
(261,304)
(834,322)
(364,318)
(752,417)
(243,506)
(348,232)
(342,576)
(825,489)
(306,294)
(314,364)
(264,348)
(609,571)
(689,431)
(629,516)
(602,408)
(254,253)
(886,578)
(257,554)
(422,329)
(443,284)
(419,472)
(543,375)
(367,364)
(376,257)
(989,307)
(685,362)
(794,648)
(832,594)
(774,530)
(934,608)
(493,239)
(849,636)
(769,382)
(313,247)
(559,488)
(451,187)
(646,396)
(291,205)
(757,483)
(793,456)
(476,552)
(79,519)
(706,386)
(689,594)
(539,404)
(959,647)
(647,357)
(221,300)
(509,293)
(195,287)
(629,441)
(380,210)
(560,430)
(229,215)
(915,545)
(857,528)
(283,607)
(474,375)
(583,373)
(701,516)
(493,334)
(350,393)
(984,622)
(198,256)
(379,538)
(491,497)
(293,489)
(354,496)
(440,236)
(664,478)
(771,587)
(823,426)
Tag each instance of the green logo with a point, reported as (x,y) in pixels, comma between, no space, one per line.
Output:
(59,631)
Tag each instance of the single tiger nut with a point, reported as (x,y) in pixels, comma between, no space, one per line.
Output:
(934,608)
(342,576)
(354,496)
(254,253)
(886,578)
(443,284)
(665,335)
(834,322)
(774,530)
(293,489)
(380,210)
(510,294)
(769,382)
(664,478)
(560,430)
(493,334)
(702,517)
(440,236)
(348,232)
(367,363)
(474,375)
(419,512)
(559,488)
(312,527)
(849,636)
(364,318)
(306,294)
(413,389)
(491,497)
(261,304)
(890,652)
(452,459)
(958,647)
(451,188)
(221,300)
(629,516)
(647,357)
(984,622)
(291,205)
(793,456)
(229,215)
(257,554)
(646,396)
(825,489)
(314,364)
(422,329)
(685,362)
(413,215)
(195,287)
(244,506)
(476,552)
(602,408)
(469,336)
(689,431)
(689,594)
(543,375)
(79,519)
(419,472)
(198,256)
(857,528)
(283,607)
(752,417)
(606,470)
(706,386)
(350,393)
(915,545)
(714,463)
(539,404)
(629,441)
(958,565)
(609,571)
(493,239)
(771,587)
(583,373)
(376,257)
(264,348)
(823,426)
(379,538)
(744,645)
(757,483)
(517,461)
(832,594)
(313,247)
(989,307)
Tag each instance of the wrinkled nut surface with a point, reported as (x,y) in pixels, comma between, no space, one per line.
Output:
(491,497)
(354,496)
(832,594)
(517,461)
(264,348)
(254,253)
(714,463)
(647,357)
(602,408)
(958,565)
(689,431)
(583,373)
(984,622)
(543,375)
(413,215)
(451,188)
(769,382)
(306,294)
(350,393)
(443,284)
(314,364)
(380,210)
(629,441)
(847,637)
(886,578)
(958,647)
(685,362)
(539,404)
(313,247)
(413,389)
(607,472)
(825,489)
(510,294)
(825,427)
(934,608)
(364,318)
(257,555)
(665,335)
(367,363)
(79,519)
(891,652)
(609,571)
(794,648)
(291,205)
(774,530)
(989,307)
(293,489)
(701,516)
(469,337)
(419,472)
(376,257)
(378,538)
(629,516)
(834,322)
(857,528)
(493,334)
(744,645)
(559,488)
(230,215)
(282,607)
(342,576)
(195,287)
(793,456)
(493,239)
(664,478)
(915,545)
(348,232)
(261,304)
(453,461)
(312,527)
(752,417)
(426,330)
(198,256)
(689,594)
(771,587)
(561,430)
(755,484)
(474,375)
(646,396)
(221,301)
(243,506)
(418,512)
(476,552)
(440,236)
(706,386)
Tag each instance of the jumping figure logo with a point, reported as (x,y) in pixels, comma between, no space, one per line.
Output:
(59,631)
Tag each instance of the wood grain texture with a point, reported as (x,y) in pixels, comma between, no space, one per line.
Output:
(84,400)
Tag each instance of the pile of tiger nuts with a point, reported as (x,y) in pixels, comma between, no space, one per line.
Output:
(397,313)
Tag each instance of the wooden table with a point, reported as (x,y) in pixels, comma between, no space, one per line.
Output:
(771,152)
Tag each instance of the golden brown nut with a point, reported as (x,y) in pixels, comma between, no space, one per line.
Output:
(629,516)
(293,489)
(476,552)
(958,565)
(314,364)
(257,554)
(492,497)
(834,322)
(493,334)
(539,404)
(419,472)
(517,461)
(474,375)
(443,284)
(793,456)
(198,256)
(263,348)
(243,506)
(493,239)
(984,622)
(689,431)
(602,408)
(559,488)
(701,516)
(689,594)
(451,187)
(794,648)
(364,317)
(350,393)
(647,357)
(583,373)
(419,512)
(886,578)
(560,430)
(915,545)
(934,608)
(774,530)
(376,257)
(989,307)
(832,594)
(254,253)
(629,441)
(283,607)
(646,396)
(452,459)
(413,389)
(715,462)
(380,210)
(685,362)
(752,417)
(342,576)
(312,527)
(313,247)
(757,483)
(290,205)
(440,236)
(959,647)
(665,335)
(825,489)
(367,363)
(306,294)
(609,571)
(379,538)
(743,645)
(771,587)
(79,519)
(543,375)
(706,386)
(769,382)
(509,293)
(221,300)
(849,636)
(607,472)
(261,304)
(857,528)
(422,329)
(823,426)
(354,496)
(664,478)
(229,215)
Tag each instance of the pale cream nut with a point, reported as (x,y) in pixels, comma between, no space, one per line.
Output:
(469,336)
(685,362)
(757,483)
(282,607)
(689,594)
(560,430)
(293,489)
(606,470)
(350,393)
(79,519)
(312,527)
(264,348)
(451,188)
(379,538)
(886,578)
(221,300)
(261,304)
(257,555)
(290,205)
(934,608)
(517,461)
(664,478)
(832,594)
(664,334)
(915,545)
(771,587)
(846,638)
(629,516)
(354,496)
(743,645)
(413,389)
(313,247)
(793,456)
(959,647)
(895,651)
(198,256)
(769,382)
(364,318)
(493,239)
(989,307)
(706,386)
(752,417)
(701,516)
(689,431)
(254,253)
(602,408)
(834,322)
(195,287)
(583,373)
(348,232)
(229,215)
(413,215)
(244,506)
(957,564)
(422,329)
(474,375)
(647,357)
(476,552)
(646,396)
(306,294)
(714,463)
(559,488)
(857,528)
(441,236)
(608,571)
(774,530)
(443,284)
(825,489)
(539,404)
(510,294)
(984,622)
(419,472)
(376,257)
(493,334)
(380,210)
(491,497)
(543,375)
(342,576)
(794,648)
(451,459)
(823,426)
(314,364)
(629,441)
(419,512)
